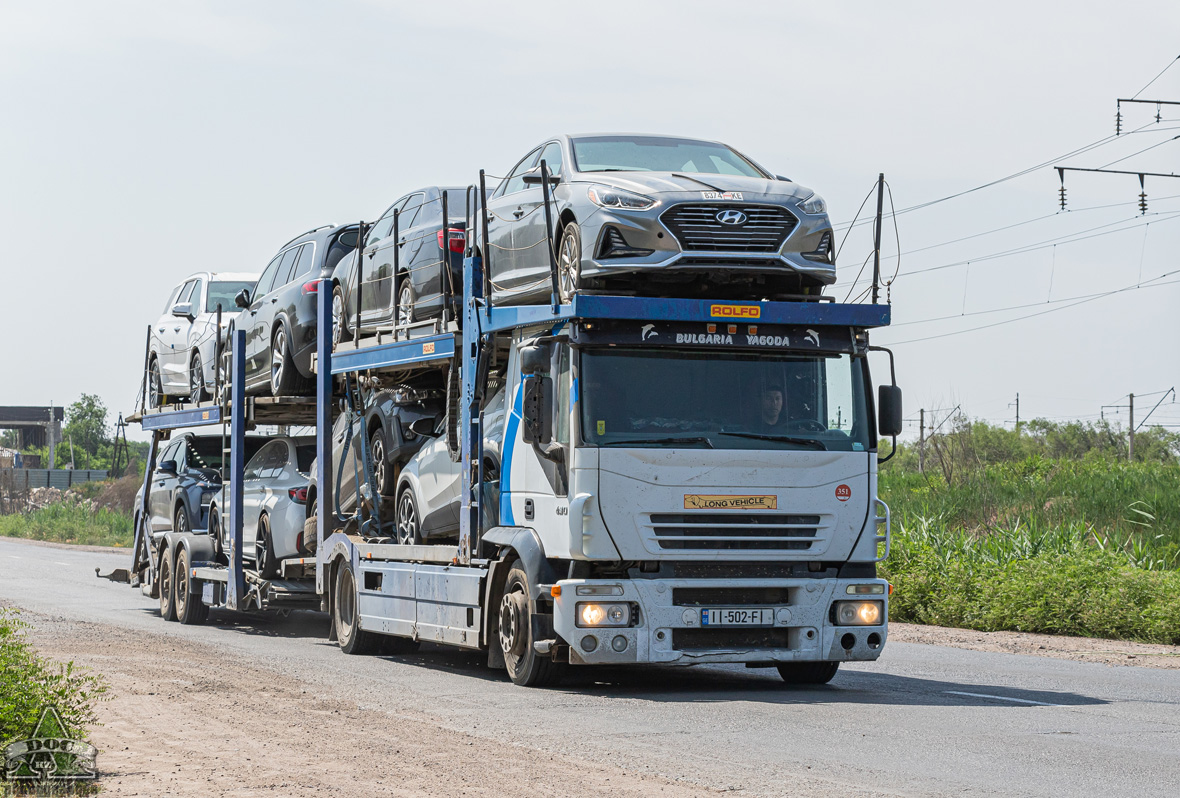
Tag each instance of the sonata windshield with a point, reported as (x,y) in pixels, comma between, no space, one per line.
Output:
(657,154)
(635,398)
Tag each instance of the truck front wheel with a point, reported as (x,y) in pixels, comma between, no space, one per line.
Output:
(525,666)
(808,672)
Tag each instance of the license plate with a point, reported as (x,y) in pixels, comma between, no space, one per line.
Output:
(747,616)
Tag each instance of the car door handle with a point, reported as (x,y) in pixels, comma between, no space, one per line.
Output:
(401,243)
(274,300)
(519,212)
(371,251)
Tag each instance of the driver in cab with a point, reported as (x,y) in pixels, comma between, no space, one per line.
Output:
(773,408)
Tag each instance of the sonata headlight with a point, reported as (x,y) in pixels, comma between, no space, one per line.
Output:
(608,197)
(814,205)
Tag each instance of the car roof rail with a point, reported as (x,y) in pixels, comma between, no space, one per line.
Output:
(309,232)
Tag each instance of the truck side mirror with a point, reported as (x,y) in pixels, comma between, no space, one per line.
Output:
(889,421)
(534,359)
(242,300)
(537,410)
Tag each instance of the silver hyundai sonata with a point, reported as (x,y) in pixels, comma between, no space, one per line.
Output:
(643,213)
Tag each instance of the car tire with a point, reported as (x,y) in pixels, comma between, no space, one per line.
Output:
(181,523)
(215,535)
(310,525)
(454,410)
(264,550)
(340,331)
(383,470)
(409,522)
(346,618)
(156,396)
(196,380)
(514,628)
(190,610)
(284,375)
(569,262)
(808,672)
(166,588)
(406,312)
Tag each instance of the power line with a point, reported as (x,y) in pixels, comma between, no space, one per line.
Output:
(1157,77)
(1043,312)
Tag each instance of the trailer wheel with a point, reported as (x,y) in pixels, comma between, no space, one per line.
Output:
(190,610)
(515,627)
(808,672)
(167,595)
(264,550)
(353,639)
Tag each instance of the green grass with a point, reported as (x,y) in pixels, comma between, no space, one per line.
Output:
(29,683)
(70,522)
(1053,580)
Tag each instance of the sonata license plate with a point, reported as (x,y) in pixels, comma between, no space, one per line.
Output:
(732,616)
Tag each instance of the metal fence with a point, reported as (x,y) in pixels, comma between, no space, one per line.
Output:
(61,478)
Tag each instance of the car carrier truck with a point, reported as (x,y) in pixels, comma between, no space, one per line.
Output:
(674,481)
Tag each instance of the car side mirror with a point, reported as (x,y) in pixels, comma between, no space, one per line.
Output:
(242,300)
(423,426)
(167,467)
(784,179)
(534,359)
(534,178)
(889,421)
(183,310)
(537,410)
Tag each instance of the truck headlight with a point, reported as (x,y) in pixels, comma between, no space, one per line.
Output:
(859,613)
(594,614)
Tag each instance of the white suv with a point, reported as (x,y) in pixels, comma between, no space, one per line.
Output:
(182,352)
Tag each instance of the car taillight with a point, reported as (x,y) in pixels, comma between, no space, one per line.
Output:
(312,287)
(298,495)
(456,239)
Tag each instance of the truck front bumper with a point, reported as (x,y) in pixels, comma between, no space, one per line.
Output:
(666,622)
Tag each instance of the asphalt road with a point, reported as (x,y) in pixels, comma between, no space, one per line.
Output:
(923,720)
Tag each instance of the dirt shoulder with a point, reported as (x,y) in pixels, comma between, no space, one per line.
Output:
(183,720)
(1079,649)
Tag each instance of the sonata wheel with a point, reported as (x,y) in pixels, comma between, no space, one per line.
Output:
(569,262)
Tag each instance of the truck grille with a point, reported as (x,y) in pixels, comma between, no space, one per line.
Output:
(716,531)
(723,638)
(697,228)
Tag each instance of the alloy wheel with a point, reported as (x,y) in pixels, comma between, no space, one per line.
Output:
(278,358)
(569,258)
(196,380)
(155,387)
(407,519)
(377,453)
(405,304)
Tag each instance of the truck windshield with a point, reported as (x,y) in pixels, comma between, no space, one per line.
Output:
(722,400)
(658,154)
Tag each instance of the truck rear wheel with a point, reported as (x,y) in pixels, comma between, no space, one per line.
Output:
(808,672)
(353,639)
(167,594)
(190,610)
(525,666)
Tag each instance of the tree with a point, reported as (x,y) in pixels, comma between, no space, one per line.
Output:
(86,426)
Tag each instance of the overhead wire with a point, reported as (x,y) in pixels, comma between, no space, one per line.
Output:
(1157,77)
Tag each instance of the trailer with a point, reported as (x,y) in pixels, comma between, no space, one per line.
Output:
(618,502)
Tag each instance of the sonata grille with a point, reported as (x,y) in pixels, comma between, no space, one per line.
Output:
(698,228)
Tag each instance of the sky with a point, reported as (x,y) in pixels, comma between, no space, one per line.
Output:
(143,141)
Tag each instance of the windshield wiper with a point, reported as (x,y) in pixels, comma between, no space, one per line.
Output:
(818,444)
(702,182)
(697,439)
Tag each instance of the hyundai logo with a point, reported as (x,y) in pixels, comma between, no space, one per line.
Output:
(731,217)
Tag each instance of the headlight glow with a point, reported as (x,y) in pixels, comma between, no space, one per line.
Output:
(859,613)
(608,197)
(814,205)
(594,614)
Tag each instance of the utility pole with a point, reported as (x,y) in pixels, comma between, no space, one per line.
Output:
(52,438)
(1017,403)
(1131,426)
(921,440)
